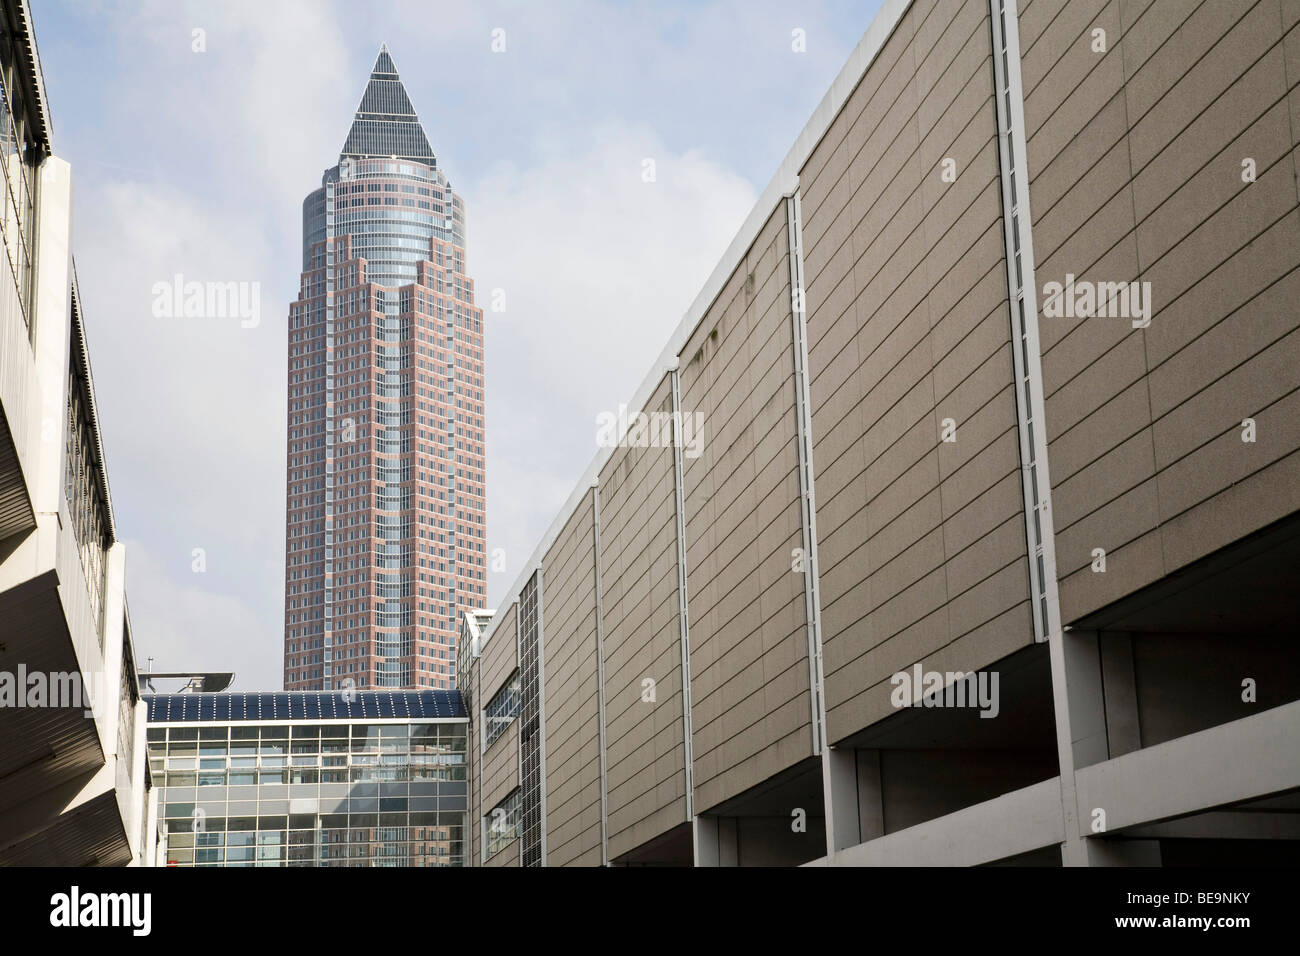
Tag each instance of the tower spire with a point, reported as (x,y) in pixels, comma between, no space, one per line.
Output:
(386,123)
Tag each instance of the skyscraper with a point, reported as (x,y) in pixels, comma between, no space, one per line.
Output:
(385,485)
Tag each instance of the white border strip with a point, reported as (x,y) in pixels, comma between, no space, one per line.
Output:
(808,498)
(1026,354)
(1027,361)
(600,678)
(683,597)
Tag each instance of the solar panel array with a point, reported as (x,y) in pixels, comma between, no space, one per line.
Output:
(305,705)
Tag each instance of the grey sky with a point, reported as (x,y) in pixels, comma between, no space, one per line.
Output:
(197,164)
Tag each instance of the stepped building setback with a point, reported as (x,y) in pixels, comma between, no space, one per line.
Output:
(386,518)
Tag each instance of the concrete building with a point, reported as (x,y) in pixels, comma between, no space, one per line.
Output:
(386,515)
(358,778)
(74,785)
(988,553)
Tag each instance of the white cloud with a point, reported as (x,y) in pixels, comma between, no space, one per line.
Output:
(598,267)
(266,102)
(597,264)
(200,461)
(205,630)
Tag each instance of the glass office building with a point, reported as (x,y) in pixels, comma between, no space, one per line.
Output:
(355,778)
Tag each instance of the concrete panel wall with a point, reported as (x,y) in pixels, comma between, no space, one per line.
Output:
(749,655)
(499,656)
(501,767)
(572,728)
(922,542)
(1134,167)
(1136,162)
(645,747)
(507,856)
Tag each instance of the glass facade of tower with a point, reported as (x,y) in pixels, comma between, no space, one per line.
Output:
(386,520)
(309,779)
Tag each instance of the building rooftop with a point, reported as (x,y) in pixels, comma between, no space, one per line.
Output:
(386,124)
(305,705)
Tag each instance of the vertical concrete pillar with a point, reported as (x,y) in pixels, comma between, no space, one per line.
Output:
(153,837)
(704,836)
(1112,852)
(870,799)
(1119,685)
(106,687)
(1087,697)
(844,829)
(728,841)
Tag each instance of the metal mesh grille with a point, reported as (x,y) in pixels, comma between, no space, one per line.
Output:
(530,740)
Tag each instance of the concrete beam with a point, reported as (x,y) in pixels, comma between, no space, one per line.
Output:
(1241,760)
(1224,825)
(1014,823)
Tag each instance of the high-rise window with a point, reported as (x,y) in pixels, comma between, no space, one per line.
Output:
(83,488)
(19,158)
(502,824)
(501,710)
